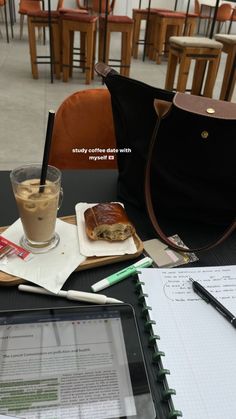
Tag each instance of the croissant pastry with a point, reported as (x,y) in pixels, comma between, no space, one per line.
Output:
(108,221)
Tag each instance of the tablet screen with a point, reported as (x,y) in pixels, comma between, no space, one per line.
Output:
(83,363)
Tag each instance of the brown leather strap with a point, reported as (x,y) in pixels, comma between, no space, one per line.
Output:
(163,108)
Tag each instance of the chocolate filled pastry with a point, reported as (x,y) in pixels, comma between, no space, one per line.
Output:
(108,222)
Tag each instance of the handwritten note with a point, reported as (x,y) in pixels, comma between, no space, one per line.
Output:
(219,281)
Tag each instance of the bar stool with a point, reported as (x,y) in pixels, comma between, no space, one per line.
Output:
(190,24)
(124,25)
(138,16)
(188,29)
(229,47)
(37,20)
(162,21)
(87,26)
(184,49)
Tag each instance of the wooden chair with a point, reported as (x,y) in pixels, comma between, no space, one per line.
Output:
(164,20)
(203,51)
(123,25)
(25,7)
(87,26)
(223,16)
(83,126)
(229,47)
(40,19)
(138,16)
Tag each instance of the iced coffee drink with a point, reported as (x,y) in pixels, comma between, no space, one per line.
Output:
(37,206)
(38,210)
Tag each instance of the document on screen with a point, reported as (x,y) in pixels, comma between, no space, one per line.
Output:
(65,369)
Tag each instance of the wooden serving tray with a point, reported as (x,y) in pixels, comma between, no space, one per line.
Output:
(89,263)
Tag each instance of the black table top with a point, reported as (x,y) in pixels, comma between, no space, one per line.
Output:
(100,186)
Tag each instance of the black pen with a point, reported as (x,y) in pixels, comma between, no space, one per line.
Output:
(209,298)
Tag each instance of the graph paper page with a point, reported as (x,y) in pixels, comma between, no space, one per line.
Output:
(199,343)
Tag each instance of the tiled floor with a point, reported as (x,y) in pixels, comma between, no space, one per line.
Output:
(24,102)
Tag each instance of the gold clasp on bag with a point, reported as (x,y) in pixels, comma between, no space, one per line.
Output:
(204,134)
(210,110)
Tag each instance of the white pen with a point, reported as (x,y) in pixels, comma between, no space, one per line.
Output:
(72,295)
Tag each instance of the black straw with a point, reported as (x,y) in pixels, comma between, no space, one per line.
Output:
(51,116)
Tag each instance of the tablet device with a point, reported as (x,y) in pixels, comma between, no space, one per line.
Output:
(81,362)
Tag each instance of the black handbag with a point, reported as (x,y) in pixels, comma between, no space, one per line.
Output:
(182,153)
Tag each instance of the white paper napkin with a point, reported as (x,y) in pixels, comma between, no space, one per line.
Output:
(99,247)
(49,270)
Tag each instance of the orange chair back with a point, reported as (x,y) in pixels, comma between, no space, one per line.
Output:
(27,6)
(83,129)
(99,6)
(224,12)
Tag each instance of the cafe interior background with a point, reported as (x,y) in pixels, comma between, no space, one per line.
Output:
(24,102)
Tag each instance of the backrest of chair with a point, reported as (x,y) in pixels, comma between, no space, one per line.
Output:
(84,132)
(113,3)
(26,6)
(197,7)
(99,6)
(224,12)
(60,4)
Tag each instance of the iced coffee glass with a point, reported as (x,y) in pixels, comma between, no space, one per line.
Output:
(37,205)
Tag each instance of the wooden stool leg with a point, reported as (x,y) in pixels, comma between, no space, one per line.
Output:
(71,53)
(183,73)
(136,34)
(153,40)
(56,49)
(66,52)
(100,44)
(32,48)
(94,48)
(89,56)
(231,87)
(171,70)
(211,77)
(126,40)
(108,41)
(150,34)
(21,25)
(83,37)
(160,42)
(228,68)
(198,76)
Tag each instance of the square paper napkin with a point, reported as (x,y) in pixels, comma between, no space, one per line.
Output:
(100,247)
(49,270)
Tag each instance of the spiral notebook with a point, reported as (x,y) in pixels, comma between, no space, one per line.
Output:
(195,344)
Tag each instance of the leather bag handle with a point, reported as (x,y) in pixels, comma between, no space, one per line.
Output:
(162,109)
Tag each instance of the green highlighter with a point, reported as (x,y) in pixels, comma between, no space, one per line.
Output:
(124,273)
